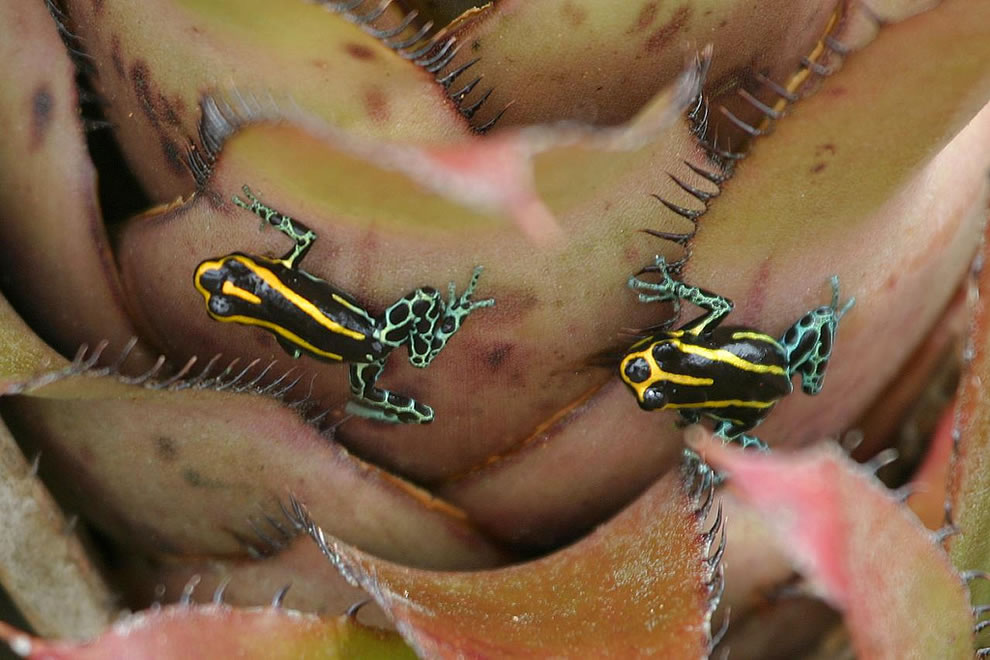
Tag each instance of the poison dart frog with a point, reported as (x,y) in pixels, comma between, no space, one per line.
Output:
(310,316)
(732,375)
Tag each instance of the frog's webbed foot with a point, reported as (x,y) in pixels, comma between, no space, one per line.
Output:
(670,290)
(299,233)
(808,343)
(666,290)
(730,433)
(458,307)
(380,404)
(426,344)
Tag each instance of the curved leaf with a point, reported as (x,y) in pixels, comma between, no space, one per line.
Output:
(862,551)
(156,59)
(219,631)
(860,165)
(642,583)
(509,371)
(969,473)
(50,220)
(226,451)
(599,62)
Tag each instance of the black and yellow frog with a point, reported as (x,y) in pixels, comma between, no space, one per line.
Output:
(732,375)
(309,316)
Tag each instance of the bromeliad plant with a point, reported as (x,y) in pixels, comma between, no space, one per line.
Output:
(531,508)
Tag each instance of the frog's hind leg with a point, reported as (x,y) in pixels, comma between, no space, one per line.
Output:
(808,343)
(381,404)
(730,432)
(670,290)
(302,235)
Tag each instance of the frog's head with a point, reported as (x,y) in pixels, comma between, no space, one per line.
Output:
(640,372)
(229,286)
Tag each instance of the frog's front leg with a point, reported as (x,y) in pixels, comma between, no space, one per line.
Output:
(670,290)
(808,343)
(299,233)
(381,404)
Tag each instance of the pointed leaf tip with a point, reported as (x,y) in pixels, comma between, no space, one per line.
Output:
(859,547)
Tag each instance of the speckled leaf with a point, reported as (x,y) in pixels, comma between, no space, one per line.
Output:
(155,60)
(600,61)
(859,165)
(861,549)
(642,583)
(313,585)
(506,371)
(969,477)
(50,222)
(201,467)
(219,631)
(43,567)
(24,354)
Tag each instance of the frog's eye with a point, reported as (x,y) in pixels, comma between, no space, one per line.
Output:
(448,326)
(219,305)
(637,370)
(653,398)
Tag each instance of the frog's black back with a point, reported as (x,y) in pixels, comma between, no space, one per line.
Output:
(748,372)
(304,313)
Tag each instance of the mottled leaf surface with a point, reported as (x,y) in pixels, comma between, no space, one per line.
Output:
(506,371)
(50,220)
(639,584)
(862,551)
(969,476)
(859,165)
(24,354)
(599,62)
(219,631)
(314,585)
(43,566)
(225,460)
(156,59)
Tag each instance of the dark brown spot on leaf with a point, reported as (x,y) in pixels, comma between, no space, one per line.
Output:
(573,14)
(497,355)
(140,80)
(646,17)
(817,167)
(115,57)
(665,33)
(376,103)
(42,107)
(166,448)
(197,480)
(171,110)
(359,52)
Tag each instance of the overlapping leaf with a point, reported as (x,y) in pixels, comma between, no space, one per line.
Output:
(219,631)
(862,550)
